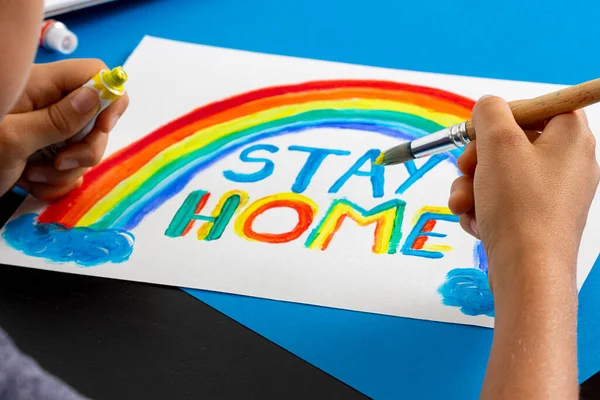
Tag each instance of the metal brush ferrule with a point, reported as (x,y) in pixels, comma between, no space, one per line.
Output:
(439,142)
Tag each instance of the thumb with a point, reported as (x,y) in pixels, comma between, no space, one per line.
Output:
(498,134)
(59,121)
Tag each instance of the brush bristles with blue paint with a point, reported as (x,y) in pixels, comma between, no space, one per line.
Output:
(529,114)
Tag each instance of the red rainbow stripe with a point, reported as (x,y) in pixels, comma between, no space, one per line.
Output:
(99,181)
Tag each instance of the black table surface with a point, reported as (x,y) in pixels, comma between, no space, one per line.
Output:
(113,339)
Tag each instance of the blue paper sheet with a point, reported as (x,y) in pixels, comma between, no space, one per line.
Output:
(538,40)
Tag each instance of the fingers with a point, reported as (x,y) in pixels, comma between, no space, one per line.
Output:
(462,203)
(468,159)
(47,184)
(47,192)
(90,151)
(469,224)
(87,153)
(44,117)
(497,132)
(43,173)
(48,83)
(68,75)
(58,122)
(461,195)
(569,131)
(62,120)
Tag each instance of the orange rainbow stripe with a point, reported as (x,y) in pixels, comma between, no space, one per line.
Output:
(136,180)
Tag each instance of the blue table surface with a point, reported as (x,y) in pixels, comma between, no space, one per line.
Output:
(539,40)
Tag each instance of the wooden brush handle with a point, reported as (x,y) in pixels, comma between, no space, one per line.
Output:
(532,113)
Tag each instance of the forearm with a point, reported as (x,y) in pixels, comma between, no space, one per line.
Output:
(534,349)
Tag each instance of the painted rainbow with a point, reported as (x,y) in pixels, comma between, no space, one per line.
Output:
(131,183)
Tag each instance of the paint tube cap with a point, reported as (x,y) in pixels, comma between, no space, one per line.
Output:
(57,37)
(115,79)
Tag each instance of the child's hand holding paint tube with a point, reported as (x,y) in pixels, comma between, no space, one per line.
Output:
(53,108)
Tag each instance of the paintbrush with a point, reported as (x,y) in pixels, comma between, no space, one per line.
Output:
(529,114)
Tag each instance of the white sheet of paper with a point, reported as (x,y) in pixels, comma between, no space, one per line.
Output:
(169,79)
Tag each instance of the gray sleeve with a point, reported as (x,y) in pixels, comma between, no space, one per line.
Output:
(21,378)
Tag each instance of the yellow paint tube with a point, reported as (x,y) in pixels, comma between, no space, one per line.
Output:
(109,85)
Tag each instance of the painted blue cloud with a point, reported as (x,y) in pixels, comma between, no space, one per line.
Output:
(84,246)
(468,289)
